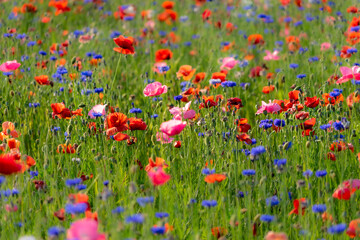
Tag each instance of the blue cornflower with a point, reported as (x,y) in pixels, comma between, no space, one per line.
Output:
(86,73)
(294,65)
(267,123)
(338,126)
(2,179)
(301,76)
(117,210)
(135,110)
(76,208)
(73,182)
(279,123)
(325,126)
(228,84)
(267,218)
(248,172)
(154,116)
(339,228)
(209,203)
(308,173)
(272,201)
(98,90)
(178,98)
(158,230)
(319,208)
(161,215)
(81,187)
(55,231)
(257,150)
(279,162)
(136,218)
(207,171)
(33,174)
(106,183)
(41,52)
(142,201)
(321,173)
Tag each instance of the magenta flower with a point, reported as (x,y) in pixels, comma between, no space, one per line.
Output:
(325,46)
(184,112)
(163,138)
(271,55)
(9,66)
(229,63)
(97,110)
(348,74)
(158,177)
(268,107)
(154,89)
(84,229)
(172,127)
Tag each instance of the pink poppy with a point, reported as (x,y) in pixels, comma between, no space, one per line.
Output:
(325,46)
(159,66)
(163,138)
(158,177)
(271,55)
(9,66)
(268,107)
(84,229)
(348,74)
(172,127)
(97,109)
(229,63)
(154,89)
(184,112)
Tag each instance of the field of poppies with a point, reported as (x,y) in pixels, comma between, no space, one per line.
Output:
(183,119)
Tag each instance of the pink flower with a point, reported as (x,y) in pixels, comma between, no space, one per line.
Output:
(229,63)
(97,109)
(172,127)
(154,89)
(163,138)
(271,56)
(9,66)
(325,46)
(184,112)
(158,177)
(276,236)
(159,66)
(348,74)
(84,229)
(268,107)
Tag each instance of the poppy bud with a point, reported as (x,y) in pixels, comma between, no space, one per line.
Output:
(177,144)
(300,183)
(307,144)
(133,169)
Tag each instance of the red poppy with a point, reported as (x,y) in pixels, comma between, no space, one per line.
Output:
(211,178)
(199,77)
(126,45)
(121,137)
(268,89)
(168,5)
(115,122)
(302,115)
(312,102)
(218,232)
(43,80)
(234,102)
(63,148)
(136,124)
(60,111)
(331,156)
(206,14)
(256,39)
(243,125)
(8,165)
(299,203)
(163,54)
(244,138)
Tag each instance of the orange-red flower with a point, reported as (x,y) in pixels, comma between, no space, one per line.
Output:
(115,122)
(268,89)
(136,124)
(121,137)
(163,54)
(159,162)
(43,80)
(126,45)
(168,5)
(244,138)
(256,39)
(8,165)
(60,111)
(211,178)
(199,77)
(186,72)
(312,102)
(63,148)
(60,5)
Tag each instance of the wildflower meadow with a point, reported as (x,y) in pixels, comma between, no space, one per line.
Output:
(182,119)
